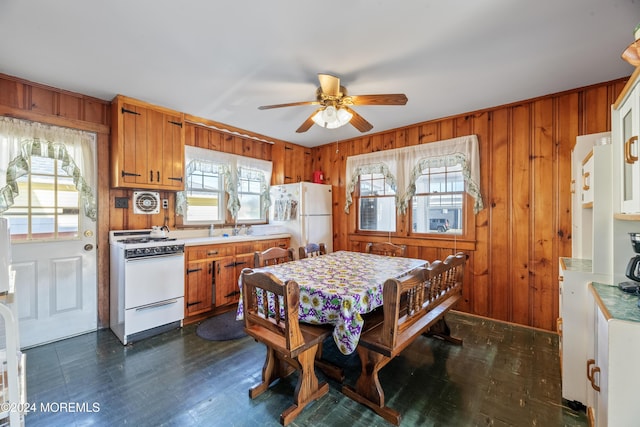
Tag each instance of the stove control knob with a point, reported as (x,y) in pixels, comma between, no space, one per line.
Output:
(147,251)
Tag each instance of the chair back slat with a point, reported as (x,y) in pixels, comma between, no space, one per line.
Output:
(272,256)
(386,248)
(270,305)
(311,250)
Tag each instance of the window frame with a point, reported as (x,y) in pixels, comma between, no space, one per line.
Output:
(229,166)
(460,192)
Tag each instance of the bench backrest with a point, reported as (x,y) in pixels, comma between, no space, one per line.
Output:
(271,310)
(408,300)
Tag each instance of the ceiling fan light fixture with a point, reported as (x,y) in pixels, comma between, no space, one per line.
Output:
(331,117)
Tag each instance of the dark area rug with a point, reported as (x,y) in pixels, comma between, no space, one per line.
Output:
(223,327)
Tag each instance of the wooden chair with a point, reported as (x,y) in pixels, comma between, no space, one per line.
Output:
(271,317)
(386,248)
(311,250)
(271,256)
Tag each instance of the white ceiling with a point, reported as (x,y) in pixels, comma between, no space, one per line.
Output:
(220,60)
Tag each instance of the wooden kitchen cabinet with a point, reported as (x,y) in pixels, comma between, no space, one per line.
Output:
(147,144)
(212,272)
(199,289)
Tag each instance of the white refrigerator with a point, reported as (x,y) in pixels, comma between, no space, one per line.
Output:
(303,210)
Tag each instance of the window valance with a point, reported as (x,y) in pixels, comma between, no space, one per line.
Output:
(403,166)
(21,139)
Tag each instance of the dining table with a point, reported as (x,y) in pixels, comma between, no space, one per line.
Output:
(339,287)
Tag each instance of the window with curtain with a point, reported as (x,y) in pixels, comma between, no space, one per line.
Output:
(46,179)
(224,188)
(431,183)
(204,191)
(438,202)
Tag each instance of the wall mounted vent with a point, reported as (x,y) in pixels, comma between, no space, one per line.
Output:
(146,202)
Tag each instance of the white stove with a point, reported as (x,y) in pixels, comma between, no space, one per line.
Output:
(147,284)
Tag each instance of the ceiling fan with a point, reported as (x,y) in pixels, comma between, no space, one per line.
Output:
(335,105)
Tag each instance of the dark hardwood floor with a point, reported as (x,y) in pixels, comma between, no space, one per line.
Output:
(502,375)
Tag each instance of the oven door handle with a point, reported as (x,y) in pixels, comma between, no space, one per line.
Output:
(157,304)
(148,257)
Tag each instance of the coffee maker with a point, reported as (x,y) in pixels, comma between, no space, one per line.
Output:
(633,267)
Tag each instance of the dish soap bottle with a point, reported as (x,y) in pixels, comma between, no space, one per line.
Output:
(211,231)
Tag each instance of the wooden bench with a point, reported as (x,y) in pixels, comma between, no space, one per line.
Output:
(412,306)
(290,345)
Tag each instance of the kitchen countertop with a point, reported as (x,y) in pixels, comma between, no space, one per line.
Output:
(577,264)
(618,304)
(206,240)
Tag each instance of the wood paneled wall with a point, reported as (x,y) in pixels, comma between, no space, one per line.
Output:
(525,178)
(525,155)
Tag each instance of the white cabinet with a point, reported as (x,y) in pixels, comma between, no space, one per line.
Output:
(592,212)
(625,120)
(575,276)
(612,373)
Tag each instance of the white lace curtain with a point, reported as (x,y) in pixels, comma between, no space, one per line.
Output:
(403,166)
(21,139)
(230,166)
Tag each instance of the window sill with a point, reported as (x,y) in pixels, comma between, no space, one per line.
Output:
(426,240)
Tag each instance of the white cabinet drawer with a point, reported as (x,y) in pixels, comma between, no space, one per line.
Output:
(153,315)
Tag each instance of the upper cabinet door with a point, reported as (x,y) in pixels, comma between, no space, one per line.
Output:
(147,144)
(626,118)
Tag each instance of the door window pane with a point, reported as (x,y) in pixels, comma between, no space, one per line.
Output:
(48,204)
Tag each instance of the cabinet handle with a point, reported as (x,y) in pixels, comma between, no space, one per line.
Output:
(628,157)
(210,267)
(175,179)
(589,363)
(193,270)
(151,176)
(215,252)
(593,378)
(240,263)
(129,174)
(158,175)
(559,326)
(124,110)
(189,304)
(585,181)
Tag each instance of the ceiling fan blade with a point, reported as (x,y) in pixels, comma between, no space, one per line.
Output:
(387,99)
(291,104)
(307,123)
(330,84)
(359,122)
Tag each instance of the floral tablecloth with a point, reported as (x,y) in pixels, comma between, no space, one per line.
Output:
(338,287)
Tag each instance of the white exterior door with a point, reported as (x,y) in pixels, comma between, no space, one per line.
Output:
(56,287)
(53,252)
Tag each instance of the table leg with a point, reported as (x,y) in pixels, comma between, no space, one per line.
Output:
(308,387)
(368,390)
(441,330)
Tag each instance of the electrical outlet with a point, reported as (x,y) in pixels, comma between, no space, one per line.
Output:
(122,202)
(165,203)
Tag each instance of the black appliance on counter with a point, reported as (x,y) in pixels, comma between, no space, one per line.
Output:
(633,267)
